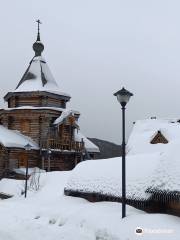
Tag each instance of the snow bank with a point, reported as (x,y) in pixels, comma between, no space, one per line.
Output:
(11,186)
(104,176)
(48,215)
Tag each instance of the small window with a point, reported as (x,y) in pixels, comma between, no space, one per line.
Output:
(159,138)
(25,126)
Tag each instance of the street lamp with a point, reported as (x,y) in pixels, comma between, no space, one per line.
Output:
(27,147)
(123,97)
(49,159)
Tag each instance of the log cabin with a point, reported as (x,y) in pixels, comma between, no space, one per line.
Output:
(37,115)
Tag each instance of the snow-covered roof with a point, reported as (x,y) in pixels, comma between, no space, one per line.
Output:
(166,176)
(34,108)
(149,167)
(145,173)
(90,147)
(66,113)
(38,77)
(13,138)
(104,176)
(145,130)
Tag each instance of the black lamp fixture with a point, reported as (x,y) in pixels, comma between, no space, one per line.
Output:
(123,97)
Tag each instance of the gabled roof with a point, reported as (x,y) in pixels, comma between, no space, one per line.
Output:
(159,138)
(90,147)
(14,139)
(38,77)
(145,130)
(64,115)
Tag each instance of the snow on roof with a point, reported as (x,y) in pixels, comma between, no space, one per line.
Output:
(34,108)
(39,108)
(150,167)
(104,176)
(166,176)
(38,77)
(90,147)
(66,113)
(144,131)
(13,138)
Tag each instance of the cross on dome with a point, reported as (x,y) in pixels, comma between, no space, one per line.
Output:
(38,34)
(38,46)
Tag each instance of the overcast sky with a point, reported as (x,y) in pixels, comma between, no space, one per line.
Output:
(94,47)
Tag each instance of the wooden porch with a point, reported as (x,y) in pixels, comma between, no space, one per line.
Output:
(64,145)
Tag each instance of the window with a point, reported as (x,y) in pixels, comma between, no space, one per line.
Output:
(22,160)
(159,138)
(25,126)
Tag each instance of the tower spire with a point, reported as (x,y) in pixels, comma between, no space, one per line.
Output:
(38,34)
(38,46)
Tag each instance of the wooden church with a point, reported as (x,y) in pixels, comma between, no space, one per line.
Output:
(37,117)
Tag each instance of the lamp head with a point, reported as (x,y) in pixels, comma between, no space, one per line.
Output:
(123,96)
(27,147)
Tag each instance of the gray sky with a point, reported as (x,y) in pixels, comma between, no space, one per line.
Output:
(94,47)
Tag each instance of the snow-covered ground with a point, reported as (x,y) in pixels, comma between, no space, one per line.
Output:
(49,215)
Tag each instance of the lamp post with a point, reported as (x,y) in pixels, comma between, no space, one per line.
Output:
(49,159)
(27,147)
(123,97)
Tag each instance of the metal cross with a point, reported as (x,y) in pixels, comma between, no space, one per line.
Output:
(38,35)
(39,22)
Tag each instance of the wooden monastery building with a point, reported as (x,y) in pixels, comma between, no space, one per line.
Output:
(37,115)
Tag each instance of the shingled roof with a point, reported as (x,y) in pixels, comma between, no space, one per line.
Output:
(38,77)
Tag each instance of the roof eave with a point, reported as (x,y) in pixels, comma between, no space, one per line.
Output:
(43,93)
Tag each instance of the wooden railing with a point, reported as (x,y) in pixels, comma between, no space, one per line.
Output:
(63,145)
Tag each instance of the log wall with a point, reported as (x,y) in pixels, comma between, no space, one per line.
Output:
(39,122)
(12,158)
(61,161)
(4,159)
(33,157)
(36,101)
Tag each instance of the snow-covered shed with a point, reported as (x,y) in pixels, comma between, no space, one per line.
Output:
(152,170)
(153,135)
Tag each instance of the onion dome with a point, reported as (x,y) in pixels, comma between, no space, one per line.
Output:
(38,46)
